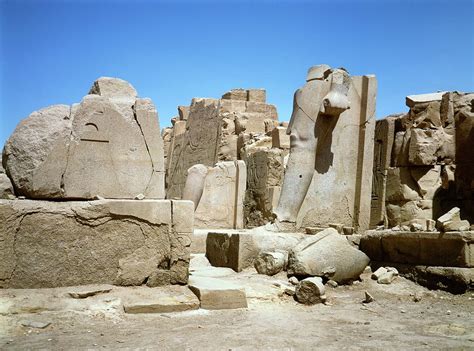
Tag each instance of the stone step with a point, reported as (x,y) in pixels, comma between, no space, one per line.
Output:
(217,294)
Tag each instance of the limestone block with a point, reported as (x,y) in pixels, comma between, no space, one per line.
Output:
(280,139)
(423,248)
(401,149)
(221,204)
(160,300)
(123,242)
(403,213)
(254,121)
(456,226)
(239,249)
(216,294)
(450,216)
(327,251)
(233,106)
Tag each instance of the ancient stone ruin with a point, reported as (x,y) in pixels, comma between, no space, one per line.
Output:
(103,158)
(232,206)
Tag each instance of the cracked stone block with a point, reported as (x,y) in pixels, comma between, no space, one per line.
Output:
(108,145)
(121,242)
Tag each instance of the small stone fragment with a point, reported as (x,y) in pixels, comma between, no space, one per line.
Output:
(378,273)
(332,283)
(139,197)
(87,291)
(290,290)
(310,291)
(387,277)
(293,280)
(368,298)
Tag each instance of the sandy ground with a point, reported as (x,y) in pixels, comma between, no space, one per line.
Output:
(273,320)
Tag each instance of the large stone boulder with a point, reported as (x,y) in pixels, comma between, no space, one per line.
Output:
(108,145)
(328,254)
(6,187)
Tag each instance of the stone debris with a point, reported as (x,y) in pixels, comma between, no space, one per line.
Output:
(327,254)
(216,294)
(271,263)
(88,291)
(332,283)
(310,291)
(160,300)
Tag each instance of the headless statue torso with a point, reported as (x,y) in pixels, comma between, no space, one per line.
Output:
(316,109)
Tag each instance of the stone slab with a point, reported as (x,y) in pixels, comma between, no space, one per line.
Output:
(121,242)
(239,249)
(412,100)
(452,249)
(216,294)
(160,300)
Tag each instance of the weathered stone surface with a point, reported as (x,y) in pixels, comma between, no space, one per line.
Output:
(378,273)
(453,215)
(108,145)
(223,191)
(239,249)
(122,242)
(456,226)
(310,291)
(424,248)
(324,252)
(271,263)
(330,145)
(160,300)
(216,294)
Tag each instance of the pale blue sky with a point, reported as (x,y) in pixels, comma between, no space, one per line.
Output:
(172,51)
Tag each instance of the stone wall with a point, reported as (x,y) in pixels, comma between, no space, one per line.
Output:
(209,131)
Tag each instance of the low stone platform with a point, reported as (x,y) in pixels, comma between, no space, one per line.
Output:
(239,249)
(452,249)
(123,242)
(217,294)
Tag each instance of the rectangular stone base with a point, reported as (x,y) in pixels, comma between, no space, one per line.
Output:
(452,249)
(239,249)
(456,280)
(122,242)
